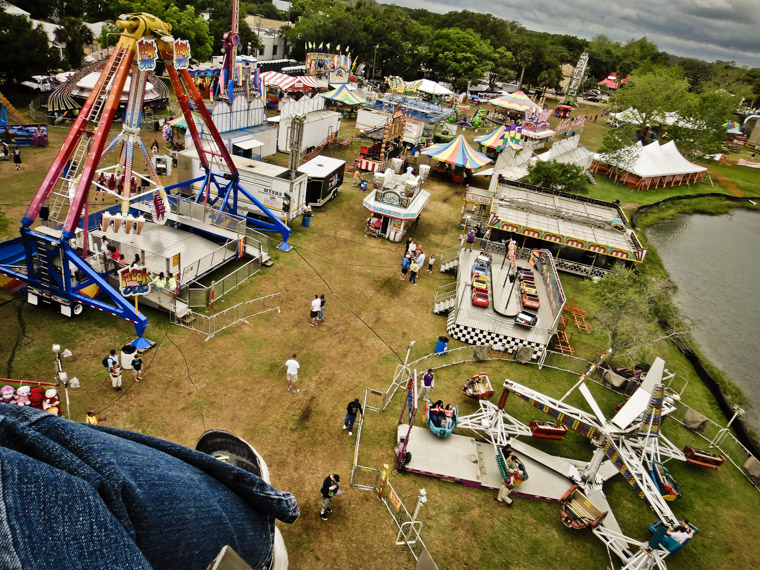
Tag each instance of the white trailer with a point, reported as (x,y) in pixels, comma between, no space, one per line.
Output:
(368,119)
(317,127)
(268,183)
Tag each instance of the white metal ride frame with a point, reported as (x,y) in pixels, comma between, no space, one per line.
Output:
(631,438)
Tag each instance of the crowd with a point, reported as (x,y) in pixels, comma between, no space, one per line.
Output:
(413,261)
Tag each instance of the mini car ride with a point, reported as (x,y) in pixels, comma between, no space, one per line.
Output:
(480,284)
(530,301)
(478,387)
(526,319)
(578,512)
(480,299)
(528,287)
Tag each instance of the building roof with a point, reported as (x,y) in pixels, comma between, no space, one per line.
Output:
(265,23)
(15,11)
(321,166)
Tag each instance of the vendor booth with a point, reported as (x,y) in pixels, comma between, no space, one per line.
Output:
(477,206)
(325,178)
(397,201)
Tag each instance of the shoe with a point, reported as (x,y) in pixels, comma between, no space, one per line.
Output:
(296,391)
(345,427)
(312,325)
(350,433)
(118,388)
(323,516)
(288,388)
(218,443)
(328,510)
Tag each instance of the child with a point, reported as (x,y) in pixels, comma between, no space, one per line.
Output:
(137,367)
(431,261)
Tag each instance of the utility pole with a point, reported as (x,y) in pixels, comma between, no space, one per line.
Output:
(374,61)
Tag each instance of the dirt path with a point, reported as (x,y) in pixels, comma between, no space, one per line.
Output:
(725,182)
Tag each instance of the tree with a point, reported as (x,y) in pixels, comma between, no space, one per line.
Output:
(550,78)
(524,58)
(186,25)
(24,50)
(503,63)
(75,35)
(623,310)
(555,175)
(460,56)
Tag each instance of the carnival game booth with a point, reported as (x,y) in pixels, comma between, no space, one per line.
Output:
(651,166)
(517,102)
(456,158)
(278,84)
(477,207)
(586,236)
(535,127)
(493,143)
(344,101)
(325,178)
(397,200)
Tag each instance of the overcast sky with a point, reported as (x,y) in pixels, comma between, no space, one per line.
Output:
(728,30)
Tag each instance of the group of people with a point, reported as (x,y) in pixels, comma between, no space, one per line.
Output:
(414,261)
(114,259)
(317,313)
(114,369)
(515,474)
(442,416)
(114,183)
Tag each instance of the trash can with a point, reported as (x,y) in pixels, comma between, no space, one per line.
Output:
(306,220)
(442,345)
(127,356)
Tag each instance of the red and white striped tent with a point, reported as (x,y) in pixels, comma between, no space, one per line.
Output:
(290,83)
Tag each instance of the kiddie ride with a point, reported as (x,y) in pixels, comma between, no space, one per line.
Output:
(52,259)
(630,443)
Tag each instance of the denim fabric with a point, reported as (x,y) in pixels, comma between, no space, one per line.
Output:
(82,496)
(349,421)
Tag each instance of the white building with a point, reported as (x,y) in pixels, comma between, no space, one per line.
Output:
(275,46)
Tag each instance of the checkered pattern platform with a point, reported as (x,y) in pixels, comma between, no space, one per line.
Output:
(500,342)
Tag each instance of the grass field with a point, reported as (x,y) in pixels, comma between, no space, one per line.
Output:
(236,381)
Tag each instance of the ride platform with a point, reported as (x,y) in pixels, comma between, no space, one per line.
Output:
(464,460)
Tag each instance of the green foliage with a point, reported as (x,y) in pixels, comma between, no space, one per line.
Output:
(459,56)
(24,50)
(559,176)
(186,24)
(75,35)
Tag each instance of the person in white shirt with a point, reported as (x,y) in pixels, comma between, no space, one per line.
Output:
(292,366)
(682,532)
(316,305)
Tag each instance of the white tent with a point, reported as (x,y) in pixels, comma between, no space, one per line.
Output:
(655,165)
(433,88)
(567,151)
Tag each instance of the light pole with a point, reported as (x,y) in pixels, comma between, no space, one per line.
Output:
(374,61)
(421,500)
(61,378)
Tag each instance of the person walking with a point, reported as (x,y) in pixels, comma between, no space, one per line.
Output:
(428,382)
(411,247)
(413,269)
(330,488)
(470,239)
(17,158)
(114,370)
(405,266)
(316,304)
(431,261)
(321,316)
(357,178)
(513,468)
(351,411)
(137,365)
(292,366)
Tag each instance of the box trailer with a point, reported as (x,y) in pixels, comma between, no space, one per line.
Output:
(325,177)
(268,183)
(317,127)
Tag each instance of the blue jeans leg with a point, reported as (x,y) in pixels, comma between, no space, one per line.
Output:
(349,421)
(124,500)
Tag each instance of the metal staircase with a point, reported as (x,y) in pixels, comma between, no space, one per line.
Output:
(66,186)
(450,259)
(445,298)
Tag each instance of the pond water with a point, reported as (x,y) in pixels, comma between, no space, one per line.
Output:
(715,262)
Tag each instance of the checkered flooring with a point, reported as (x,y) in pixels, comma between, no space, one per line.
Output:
(500,342)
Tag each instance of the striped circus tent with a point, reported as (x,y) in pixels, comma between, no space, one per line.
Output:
(494,140)
(517,101)
(345,96)
(458,153)
(289,82)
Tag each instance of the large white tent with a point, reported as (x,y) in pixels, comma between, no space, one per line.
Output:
(653,165)
(432,88)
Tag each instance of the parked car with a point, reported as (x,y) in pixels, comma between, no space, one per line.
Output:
(530,301)
(480,299)
(526,319)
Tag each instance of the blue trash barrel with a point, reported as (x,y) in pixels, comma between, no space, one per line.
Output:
(442,345)
(306,220)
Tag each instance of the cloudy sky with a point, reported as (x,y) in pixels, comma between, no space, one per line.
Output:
(727,30)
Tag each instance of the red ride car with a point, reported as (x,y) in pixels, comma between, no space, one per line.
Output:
(480,299)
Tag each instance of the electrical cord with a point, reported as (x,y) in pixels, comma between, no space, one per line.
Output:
(19,337)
